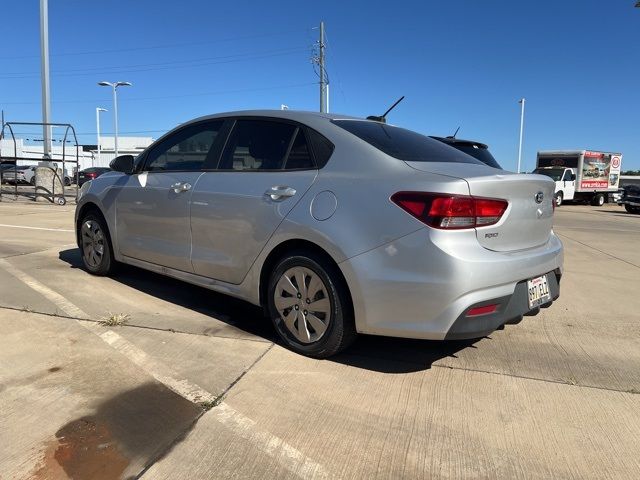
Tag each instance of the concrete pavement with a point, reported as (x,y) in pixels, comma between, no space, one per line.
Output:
(555,396)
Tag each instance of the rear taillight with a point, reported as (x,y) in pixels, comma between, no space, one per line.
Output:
(451,211)
(91,175)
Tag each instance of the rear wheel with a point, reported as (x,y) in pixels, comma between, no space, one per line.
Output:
(32,182)
(310,306)
(558,197)
(97,254)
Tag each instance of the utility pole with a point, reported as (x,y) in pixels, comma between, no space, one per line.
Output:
(323,82)
(44,54)
(521,102)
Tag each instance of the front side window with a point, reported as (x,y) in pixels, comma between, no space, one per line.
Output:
(257,145)
(186,150)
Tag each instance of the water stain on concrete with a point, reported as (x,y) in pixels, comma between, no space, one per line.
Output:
(84,448)
(126,433)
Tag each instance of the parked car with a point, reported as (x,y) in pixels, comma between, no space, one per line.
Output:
(335,225)
(91,174)
(630,198)
(477,150)
(14,174)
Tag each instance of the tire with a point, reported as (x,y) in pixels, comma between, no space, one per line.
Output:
(558,198)
(32,182)
(328,329)
(597,200)
(67,182)
(632,209)
(95,245)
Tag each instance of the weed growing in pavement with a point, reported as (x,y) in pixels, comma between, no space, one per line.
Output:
(115,319)
(206,406)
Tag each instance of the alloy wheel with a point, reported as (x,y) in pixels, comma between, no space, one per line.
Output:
(92,243)
(302,301)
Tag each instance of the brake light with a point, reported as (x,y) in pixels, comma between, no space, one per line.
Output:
(451,212)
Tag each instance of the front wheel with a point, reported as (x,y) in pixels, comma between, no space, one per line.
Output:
(631,209)
(597,200)
(97,254)
(310,306)
(558,199)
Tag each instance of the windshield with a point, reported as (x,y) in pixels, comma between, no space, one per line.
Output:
(403,144)
(554,173)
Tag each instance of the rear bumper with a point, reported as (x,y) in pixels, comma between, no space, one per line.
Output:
(421,285)
(510,310)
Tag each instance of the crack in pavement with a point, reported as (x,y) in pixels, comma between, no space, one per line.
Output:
(132,325)
(598,250)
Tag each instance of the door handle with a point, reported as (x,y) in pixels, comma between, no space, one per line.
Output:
(280,192)
(179,187)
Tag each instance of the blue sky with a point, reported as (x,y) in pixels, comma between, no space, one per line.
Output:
(459,63)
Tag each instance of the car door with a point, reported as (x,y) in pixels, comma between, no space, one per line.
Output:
(265,169)
(569,184)
(152,208)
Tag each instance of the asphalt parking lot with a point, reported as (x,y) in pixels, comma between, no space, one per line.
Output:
(191,385)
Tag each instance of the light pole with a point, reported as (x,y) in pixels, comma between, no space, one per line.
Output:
(114,86)
(521,102)
(98,110)
(44,74)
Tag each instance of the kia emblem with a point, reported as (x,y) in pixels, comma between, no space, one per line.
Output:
(539,197)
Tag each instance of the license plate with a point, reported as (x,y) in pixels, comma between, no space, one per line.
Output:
(538,291)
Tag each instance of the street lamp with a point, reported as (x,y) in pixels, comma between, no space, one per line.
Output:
(114,86)
(98,110)
(521,102)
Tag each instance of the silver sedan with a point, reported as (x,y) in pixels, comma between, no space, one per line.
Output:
(335,225)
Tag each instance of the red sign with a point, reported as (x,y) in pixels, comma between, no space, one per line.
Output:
(594,184)
(615,162)
(593,154)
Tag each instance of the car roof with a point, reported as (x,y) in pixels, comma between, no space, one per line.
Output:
(297,115)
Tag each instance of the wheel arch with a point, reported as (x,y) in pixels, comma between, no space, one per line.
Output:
(281,250)
(84,210)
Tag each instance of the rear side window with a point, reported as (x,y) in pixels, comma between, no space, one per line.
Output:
(299,156)
(404,144)
(322,148)
(257,145)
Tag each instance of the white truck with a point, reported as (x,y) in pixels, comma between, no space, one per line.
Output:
(581,175)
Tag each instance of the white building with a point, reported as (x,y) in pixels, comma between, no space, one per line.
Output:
(126,146)
(32,153)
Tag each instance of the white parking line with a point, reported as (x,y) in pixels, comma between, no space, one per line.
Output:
(190,391)
(35,228)
(288,456)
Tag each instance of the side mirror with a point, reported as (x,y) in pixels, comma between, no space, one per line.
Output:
(123,163)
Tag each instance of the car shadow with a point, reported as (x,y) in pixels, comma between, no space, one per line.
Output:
(381,354)
(619,213)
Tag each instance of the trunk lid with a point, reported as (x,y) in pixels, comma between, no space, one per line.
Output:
(528,220)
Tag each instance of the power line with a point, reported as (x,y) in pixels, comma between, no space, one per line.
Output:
(165,66)
(184,95)
(154,47)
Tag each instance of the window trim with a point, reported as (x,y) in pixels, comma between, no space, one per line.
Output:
(213,151)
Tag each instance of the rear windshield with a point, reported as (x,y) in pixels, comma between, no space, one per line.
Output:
(402,143)
(480,153)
